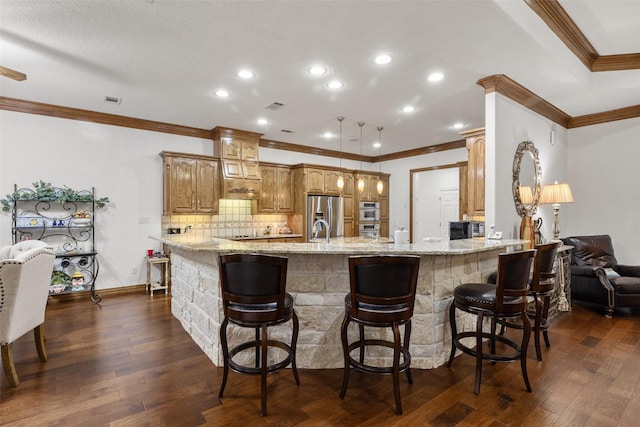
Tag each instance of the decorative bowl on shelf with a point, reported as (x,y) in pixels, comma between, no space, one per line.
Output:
(83,222)
(56,289)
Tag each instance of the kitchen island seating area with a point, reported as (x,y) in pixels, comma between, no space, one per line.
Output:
(505,300)
(318,279)
(383,293)
(254,296)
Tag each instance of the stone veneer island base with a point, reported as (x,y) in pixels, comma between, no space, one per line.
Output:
(318,279)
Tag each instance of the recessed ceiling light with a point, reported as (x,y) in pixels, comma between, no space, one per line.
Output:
(335,84)
(328,135)
(222,93)
(409,109)
(382,59)
(245,74)
(435,77)
(317,70)
(262,121)
(376,145)
(458,125)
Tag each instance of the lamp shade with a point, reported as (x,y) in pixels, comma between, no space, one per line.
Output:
(556,193)
(526,195)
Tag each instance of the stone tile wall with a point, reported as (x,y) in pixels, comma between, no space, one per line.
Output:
(319,284)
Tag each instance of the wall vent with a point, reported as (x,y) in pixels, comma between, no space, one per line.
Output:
(112,99)
(274,106)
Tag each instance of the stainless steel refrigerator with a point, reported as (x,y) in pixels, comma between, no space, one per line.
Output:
(328,208)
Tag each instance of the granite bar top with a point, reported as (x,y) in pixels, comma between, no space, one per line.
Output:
(267,236)
(349,245)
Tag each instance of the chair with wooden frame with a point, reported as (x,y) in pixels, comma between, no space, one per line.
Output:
(254,296)
(383,293)
(505,300)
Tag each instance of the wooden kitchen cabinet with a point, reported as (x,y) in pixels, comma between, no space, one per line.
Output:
(475,173)
(276,194)
(190,184)
(322,181)
(370,193)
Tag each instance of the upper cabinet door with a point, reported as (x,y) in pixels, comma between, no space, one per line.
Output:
(250,151)
(232,168)
(285,199)
(231,149)
(315,181)
(331,182)
(208,190)
(251,170)
(182,185)
(475,176)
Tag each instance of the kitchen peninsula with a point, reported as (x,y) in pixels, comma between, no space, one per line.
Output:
(318,279)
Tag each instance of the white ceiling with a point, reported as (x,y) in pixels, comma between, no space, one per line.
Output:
(165,59)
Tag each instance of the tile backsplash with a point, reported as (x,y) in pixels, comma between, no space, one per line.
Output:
(235,218)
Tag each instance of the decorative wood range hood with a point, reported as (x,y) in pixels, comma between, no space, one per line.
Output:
(238,153)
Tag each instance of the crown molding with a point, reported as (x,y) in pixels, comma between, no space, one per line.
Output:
(513,90)
(559,21)
(30,107)
(630,112)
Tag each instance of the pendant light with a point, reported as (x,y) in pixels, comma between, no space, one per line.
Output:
(340,178)
(380,185)
(360,180)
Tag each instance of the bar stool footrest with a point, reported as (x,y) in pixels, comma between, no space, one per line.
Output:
(253,344)
(362,344)
(488,356)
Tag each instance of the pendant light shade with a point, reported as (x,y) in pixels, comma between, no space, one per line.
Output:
(360,180)
(380,184)
(340,178)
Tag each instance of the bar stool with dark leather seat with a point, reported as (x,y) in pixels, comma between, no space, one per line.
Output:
(254,296)
(542,287)
(383,292)
(507,299)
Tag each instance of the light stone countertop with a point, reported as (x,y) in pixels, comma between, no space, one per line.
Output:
(350,245)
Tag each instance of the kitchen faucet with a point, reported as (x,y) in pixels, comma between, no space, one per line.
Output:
(316,226)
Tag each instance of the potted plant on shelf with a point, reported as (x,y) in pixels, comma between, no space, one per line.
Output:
(44,191)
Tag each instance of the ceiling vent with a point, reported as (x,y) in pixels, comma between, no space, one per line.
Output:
(275,106)
(112,99)
(286,131)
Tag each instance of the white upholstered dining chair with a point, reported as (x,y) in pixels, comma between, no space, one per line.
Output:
(25,276)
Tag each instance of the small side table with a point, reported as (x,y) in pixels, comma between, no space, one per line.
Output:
(163,283)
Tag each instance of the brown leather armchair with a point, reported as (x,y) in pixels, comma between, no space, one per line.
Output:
(597,277)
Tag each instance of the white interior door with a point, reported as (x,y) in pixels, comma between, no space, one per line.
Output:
(449,209)
(429,218)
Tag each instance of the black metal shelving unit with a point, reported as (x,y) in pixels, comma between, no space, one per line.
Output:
(60,224)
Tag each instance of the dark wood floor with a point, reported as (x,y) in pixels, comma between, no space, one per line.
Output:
(128,362)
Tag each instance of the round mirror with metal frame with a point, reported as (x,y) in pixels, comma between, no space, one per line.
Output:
(526,179)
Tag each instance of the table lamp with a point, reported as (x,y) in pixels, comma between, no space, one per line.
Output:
(555,194)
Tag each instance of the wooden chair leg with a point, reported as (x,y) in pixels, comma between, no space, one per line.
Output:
(454,332)
(523,350)
(545,319)
(263,370)
(225,355)
(476,388)
(536,328)
(345,351)
(407,337)
(8,366)
(294,343)
(38,334)
(396,368)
